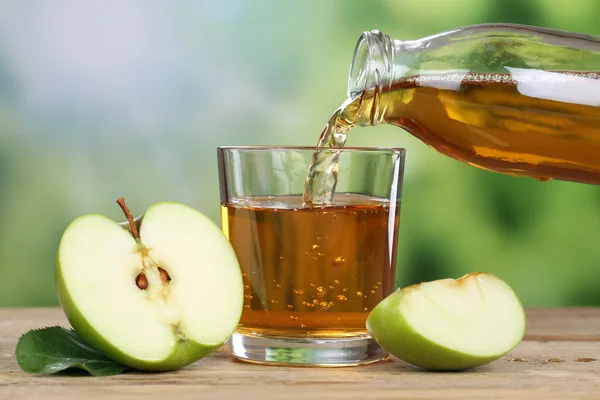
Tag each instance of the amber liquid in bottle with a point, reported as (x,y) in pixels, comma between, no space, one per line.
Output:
(540,124)
(312,271)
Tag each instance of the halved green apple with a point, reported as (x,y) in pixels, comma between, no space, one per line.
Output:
(450,324)
(157,300)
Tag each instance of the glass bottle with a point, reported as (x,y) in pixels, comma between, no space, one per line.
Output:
(514,99)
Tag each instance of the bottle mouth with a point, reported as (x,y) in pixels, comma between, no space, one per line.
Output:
(372,63)
(373,71)
(357,79)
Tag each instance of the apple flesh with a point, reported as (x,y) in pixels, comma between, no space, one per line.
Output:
(450,324)
(155,302)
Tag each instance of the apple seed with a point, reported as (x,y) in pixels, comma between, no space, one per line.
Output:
(164,275)
(141,281)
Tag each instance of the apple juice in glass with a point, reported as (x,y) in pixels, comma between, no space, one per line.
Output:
(312,272)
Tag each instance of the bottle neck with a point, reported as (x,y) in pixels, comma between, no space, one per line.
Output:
(375,67)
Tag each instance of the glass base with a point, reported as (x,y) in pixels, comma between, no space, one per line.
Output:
(307,352)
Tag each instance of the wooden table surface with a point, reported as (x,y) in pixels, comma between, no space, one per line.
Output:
(566,334)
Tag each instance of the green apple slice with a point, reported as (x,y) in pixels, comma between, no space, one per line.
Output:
(450,324)
(154,301)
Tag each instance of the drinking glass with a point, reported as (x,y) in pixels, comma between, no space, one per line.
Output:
(312,273)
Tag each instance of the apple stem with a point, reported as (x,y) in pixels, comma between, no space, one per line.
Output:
(134,231)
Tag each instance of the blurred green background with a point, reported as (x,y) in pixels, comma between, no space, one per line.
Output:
(101,99)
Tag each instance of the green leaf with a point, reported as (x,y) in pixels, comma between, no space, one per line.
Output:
(55,349)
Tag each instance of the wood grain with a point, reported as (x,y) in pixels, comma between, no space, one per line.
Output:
(567,334)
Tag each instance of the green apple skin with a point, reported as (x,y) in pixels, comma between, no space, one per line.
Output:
(385,323)
(185,352)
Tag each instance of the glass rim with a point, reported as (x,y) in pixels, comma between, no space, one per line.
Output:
(388,150)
